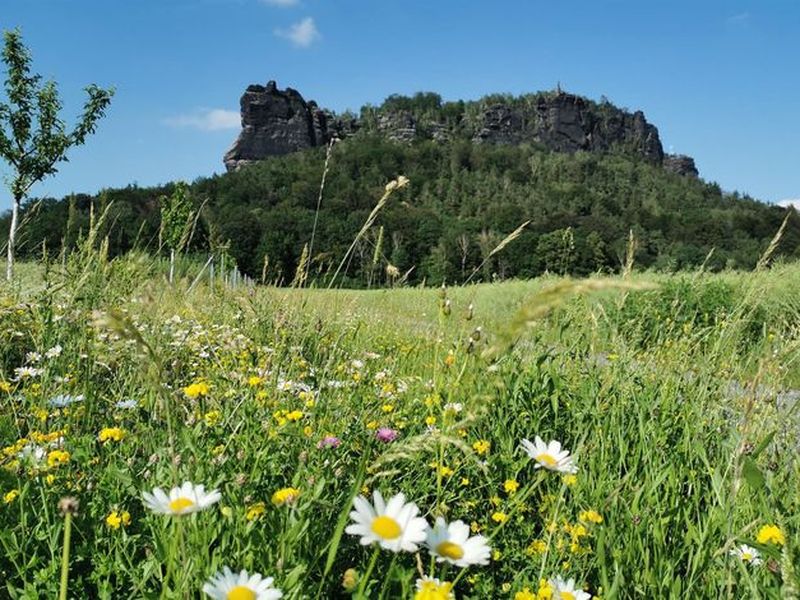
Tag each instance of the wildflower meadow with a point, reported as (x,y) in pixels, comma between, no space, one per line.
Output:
(615,437)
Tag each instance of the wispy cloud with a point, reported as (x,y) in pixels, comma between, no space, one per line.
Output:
(791,202)
(738,19)
(207,119)
(281,3)
(302,34)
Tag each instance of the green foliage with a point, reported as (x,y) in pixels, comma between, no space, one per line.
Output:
(684,447)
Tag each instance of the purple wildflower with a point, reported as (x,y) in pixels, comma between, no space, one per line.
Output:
(386,435)
(329,441)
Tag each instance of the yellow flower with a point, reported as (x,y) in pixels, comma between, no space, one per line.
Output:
(510,486)
(41,414)
(474,527)
(212,417)
(497,555)
(117,518)
(307,431)
(590,516)
(569,479)
(196,390)
(57,457)
(387,408)
(545,591)
(430,421)
(350,580)
(285,496)
(255,510)
(445,471)
(771,534)
(295,415)
(5,387)
(450,359)
(499,517)
(372,425)
(255,380)
(525,594)
(111,434)
(433,589)
(481,446)
(9,497)
(536,547)
(50,479)
(464,481)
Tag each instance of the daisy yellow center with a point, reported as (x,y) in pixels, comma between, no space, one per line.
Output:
(386,527)
(566,595)
(241,592)
(450,550)
(547,459)
(747,556)
(180,504)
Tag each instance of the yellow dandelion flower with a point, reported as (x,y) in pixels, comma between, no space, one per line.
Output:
(196,390)
(57,457)
(285,496)
(430,421)
(387,408)
(108,434)
(771,534)
(510,486)
(255,380)
(525,594)
(10,496)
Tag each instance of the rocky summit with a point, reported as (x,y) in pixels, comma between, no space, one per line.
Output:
(277,122)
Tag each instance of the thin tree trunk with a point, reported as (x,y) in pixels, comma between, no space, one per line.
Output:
(12,238)
(171,265)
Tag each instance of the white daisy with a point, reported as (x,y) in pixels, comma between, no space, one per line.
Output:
(747,555)
(188,498)
(228,585)
(452,543)
(550,456)
(566,590)
(431,587)
(394,524)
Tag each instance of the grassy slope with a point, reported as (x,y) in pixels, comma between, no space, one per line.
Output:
(637,384)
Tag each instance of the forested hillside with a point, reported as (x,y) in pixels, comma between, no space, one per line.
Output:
(464,198)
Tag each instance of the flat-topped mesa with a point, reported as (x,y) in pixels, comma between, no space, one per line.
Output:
(277,122)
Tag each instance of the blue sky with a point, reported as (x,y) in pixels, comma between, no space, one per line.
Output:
(720,79)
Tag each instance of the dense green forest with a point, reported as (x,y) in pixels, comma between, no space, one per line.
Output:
(463,199)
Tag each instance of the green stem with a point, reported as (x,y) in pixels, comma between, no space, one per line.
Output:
(65,556)
(365,578)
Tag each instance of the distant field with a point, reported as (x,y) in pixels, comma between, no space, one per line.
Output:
(674,395)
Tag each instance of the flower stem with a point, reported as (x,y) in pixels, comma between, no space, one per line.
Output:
(65,556)
(365,578)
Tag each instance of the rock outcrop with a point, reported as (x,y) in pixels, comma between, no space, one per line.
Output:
(568,123)
(681,164)
(276,122)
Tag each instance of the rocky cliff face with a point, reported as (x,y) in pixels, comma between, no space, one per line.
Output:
(276,122)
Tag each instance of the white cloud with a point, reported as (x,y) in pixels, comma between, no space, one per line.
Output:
(207,119)
(302,34)
(791,202)
(281,3)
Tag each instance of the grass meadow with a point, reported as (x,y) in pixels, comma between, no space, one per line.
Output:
(675,396)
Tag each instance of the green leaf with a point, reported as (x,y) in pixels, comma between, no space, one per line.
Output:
(753,474)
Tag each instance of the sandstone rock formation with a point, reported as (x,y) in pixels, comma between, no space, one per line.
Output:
(681,164)
(276,122)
